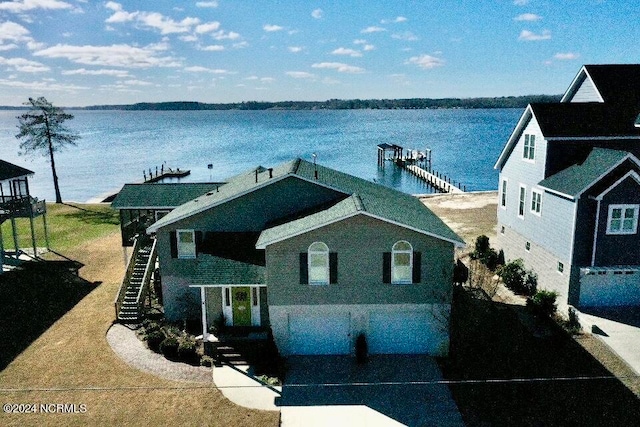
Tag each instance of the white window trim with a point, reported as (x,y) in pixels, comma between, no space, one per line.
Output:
(533,211)
(527,137)
(327,272)
(522,202)
(504,188)
(188,255)
(560,263)
(623,208)
(393,264)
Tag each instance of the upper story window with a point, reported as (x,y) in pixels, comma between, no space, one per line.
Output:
(186,243)
(529,152)
(522,199)
(402,262)
(536,202)
(503,194)
(623,219)
(318,264)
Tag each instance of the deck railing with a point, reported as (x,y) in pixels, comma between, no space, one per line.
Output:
(146,279)
(21,207)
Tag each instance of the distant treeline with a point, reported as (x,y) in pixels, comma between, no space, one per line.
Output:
(339,104)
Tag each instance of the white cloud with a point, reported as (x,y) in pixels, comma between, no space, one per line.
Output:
(212,4)
(4,47)
(520,2)
(339,67)
(368,47)
(208,27)
(271,28)
(199,69)
(427,62)
(396,20)
(407,36)
(213,48)
(152,20)
(373,29)
(344,51)
(224,35)
(568,56)
(41,86)
(117,55)
(317,14)
(26,5)
(23,65)
(527,35)
(528,17)
(13,32)
(295,49)
(300,75)
(103,72)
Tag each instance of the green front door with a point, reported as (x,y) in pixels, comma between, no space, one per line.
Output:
(241,306)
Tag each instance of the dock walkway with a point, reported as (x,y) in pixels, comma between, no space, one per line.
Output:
(431,179)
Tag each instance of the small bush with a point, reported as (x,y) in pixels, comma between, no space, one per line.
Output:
(206,361)
(169,347)
(154,339)
(517,278)
(486,254)
(187,349)
(543,302)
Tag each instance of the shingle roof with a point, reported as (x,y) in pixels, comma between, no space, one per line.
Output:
(380,201)
(213,270)
(582,120)
(575,179)
(617,83)
(160,195)
(9,170)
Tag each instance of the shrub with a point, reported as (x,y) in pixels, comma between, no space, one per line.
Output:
(517,278)
(206,361)
(361,348)
(543,302)
(154,338)
(486,254)
(187,349)
(169,347)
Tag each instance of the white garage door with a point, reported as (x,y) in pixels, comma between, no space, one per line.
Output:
(319,334)
(610,287)
(401,333)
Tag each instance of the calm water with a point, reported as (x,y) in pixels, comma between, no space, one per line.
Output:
(116,146)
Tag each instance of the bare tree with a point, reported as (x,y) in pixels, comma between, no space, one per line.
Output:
(42,131)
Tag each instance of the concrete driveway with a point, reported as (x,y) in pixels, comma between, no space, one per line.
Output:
(387,390)
(619,328)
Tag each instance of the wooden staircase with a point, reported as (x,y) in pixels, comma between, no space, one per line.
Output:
(136,283)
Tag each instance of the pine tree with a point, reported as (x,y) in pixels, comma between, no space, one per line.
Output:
(42,131)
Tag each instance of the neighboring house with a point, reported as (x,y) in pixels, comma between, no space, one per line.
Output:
(16,202)
(316,255)
(569,189)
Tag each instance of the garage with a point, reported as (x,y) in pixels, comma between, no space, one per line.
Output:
(405,332)
(605,287)
(319,333)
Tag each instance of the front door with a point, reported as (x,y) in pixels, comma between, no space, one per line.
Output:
(241,300)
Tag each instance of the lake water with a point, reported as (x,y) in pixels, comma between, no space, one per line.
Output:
(116,146)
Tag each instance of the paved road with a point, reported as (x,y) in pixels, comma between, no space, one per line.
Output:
(388,390)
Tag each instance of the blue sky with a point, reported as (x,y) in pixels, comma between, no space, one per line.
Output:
(79,52)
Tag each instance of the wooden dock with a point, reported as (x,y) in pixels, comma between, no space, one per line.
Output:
(434,181)
(163,173)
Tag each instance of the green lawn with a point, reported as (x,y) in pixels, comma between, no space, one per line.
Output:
(68,225)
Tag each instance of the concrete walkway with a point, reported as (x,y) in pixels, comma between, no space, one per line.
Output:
(130,349)
(237,385)
(619,328)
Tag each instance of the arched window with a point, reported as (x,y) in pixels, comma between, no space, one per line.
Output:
(402,262)
(318,259)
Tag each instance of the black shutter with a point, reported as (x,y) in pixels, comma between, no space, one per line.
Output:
(304,268)
(198,236)
(417,267)
(333,267)
(386,267)
(173,242)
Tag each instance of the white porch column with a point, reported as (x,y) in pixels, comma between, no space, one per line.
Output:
(203,297)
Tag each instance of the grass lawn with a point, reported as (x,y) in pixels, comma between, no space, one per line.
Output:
(62,356)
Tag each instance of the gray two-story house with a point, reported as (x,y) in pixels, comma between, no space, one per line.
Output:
(569,189)
(316,255)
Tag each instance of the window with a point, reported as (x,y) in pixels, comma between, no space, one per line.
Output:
(527,246)
(529,152)
(186,243)
(536,202)
(623,219)
(502,229)
(522,201)
(560,267)
(254,296)
(318,264)
(402,262)
(503,194)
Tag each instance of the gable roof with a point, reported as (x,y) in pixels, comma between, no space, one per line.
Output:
(613,83)
(214,270)
(154,196)
(379,201)
(9,171)
(576,179)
